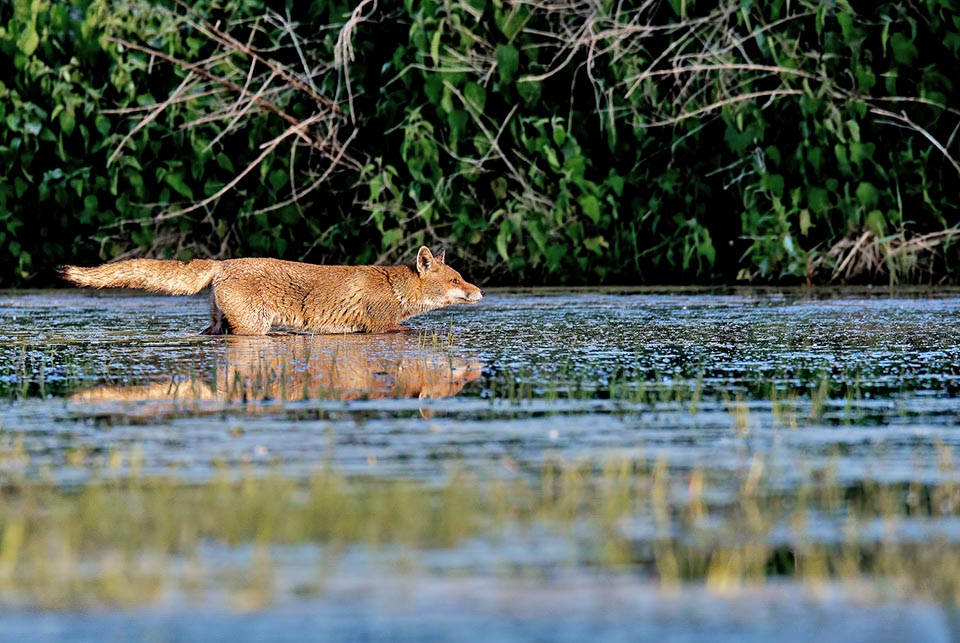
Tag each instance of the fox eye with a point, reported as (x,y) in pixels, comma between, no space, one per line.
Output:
(455,281)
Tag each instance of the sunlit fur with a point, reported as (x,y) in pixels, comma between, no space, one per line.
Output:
(253,296)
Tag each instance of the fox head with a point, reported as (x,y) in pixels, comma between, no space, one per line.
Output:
(442,285)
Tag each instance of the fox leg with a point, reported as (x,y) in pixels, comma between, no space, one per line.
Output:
(234,311)
(218,323)
(249,324)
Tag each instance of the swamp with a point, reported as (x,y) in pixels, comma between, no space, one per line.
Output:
(695,461)
(562,465)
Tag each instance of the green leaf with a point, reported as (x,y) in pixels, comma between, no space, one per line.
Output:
(815,158)
(559,135)
(773,183)
(529,91)
(278,179)
(224,162)
(866,79)
(843,159)
(818,199)
(860,152)
(136,182)
(772,155)
(476,96)
(575,167)
(554,255)
(876,223)
(29,39)
(433,87)
(446,102)
(552,159)
(175,180)
(537,234)
(478,6)
(68,120)
(707,251)
(20,187)
(854,128)
(435,44)
(904,51)
(805,223)
(508,62)
(850,32)
(591,207)
(499,188)
(615,182)
(952,42)
(596,245)
(867,195)
(511,21)
(391,238)
(102,124)
(502,239)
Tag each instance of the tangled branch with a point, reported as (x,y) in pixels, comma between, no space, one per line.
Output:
(237,80)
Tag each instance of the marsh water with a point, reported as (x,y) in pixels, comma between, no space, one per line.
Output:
(623,465)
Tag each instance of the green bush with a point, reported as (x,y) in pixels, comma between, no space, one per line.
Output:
(575,143)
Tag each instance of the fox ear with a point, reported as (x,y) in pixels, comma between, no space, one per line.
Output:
(424,260)
(439,255)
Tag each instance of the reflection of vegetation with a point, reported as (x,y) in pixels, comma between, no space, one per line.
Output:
(792,393)
(129,539)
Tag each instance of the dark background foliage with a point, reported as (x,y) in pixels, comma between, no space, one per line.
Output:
(563,143)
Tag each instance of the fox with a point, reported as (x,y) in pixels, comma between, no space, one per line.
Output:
(256,295)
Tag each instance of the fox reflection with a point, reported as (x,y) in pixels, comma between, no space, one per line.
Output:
(299,367)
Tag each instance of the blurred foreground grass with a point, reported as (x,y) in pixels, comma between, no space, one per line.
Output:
(129,540)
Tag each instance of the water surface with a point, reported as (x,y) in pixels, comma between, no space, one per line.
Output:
(552,465)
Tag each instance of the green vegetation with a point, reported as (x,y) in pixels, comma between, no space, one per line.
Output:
(570,143)
(123,539)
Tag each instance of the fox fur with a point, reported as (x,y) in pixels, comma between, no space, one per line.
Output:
(253,296)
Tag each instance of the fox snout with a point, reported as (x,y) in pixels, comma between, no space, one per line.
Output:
(473,294)
(464,293)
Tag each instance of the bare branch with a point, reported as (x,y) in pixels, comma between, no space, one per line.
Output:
(226,39)
(201,71)
(267,148)
(903,118)
(343,50)
(774,93)
(176,96)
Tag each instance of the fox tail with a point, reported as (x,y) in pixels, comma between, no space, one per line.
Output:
(157,275)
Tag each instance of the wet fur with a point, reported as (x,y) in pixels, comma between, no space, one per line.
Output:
(253,296)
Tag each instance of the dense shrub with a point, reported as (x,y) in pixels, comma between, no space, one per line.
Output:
(576,142)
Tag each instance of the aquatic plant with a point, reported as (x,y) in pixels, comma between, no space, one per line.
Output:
(128,539)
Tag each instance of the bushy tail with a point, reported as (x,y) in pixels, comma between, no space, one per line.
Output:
(157,275)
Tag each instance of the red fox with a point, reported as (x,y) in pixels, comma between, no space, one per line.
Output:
(252,296)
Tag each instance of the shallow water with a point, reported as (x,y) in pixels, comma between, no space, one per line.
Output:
(703,427)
